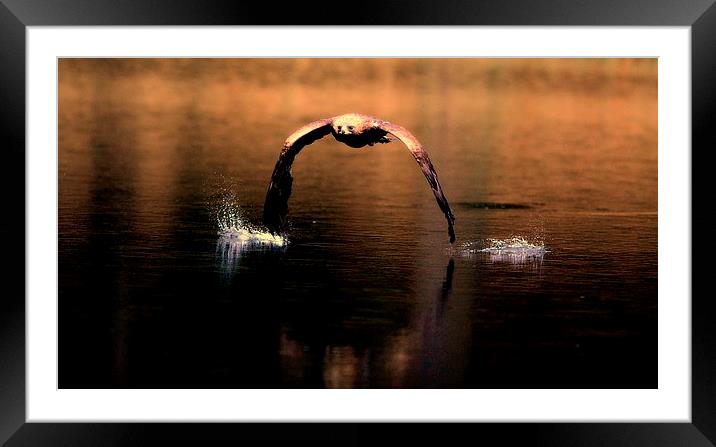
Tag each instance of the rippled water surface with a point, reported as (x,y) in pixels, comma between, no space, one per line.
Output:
(166,279)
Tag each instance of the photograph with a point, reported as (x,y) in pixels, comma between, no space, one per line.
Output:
(429,223)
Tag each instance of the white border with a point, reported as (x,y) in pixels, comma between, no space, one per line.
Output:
(670,402)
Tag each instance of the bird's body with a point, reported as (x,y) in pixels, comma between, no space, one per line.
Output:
(354,130)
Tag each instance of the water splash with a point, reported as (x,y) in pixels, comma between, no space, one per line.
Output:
(516,250)
(237,236)
(247,235)
(515,245)
(513,250)
(235,228)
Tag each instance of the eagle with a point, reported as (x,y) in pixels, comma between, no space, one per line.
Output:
(354,130)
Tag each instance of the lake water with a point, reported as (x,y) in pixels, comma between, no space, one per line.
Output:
(367,292)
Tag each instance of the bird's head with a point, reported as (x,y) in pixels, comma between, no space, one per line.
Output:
(351,124)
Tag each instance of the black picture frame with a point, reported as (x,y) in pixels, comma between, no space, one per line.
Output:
(16,15)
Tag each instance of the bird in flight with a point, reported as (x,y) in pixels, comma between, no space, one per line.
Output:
(354,130)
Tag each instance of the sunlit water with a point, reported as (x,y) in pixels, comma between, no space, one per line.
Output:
(168,279)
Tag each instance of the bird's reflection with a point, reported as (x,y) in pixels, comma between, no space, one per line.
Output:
(344,367)
(447,285)
(434,332)
(408,357)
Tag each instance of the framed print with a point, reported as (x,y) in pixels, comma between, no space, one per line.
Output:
(485,224)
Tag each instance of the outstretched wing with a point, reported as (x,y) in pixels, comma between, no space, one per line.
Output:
(276,204)
(421,156)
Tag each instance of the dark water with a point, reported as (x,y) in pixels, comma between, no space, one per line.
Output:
(368,293)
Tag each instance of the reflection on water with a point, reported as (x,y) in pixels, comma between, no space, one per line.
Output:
(232,245)
(405,354)
(516,250)
(166,278)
